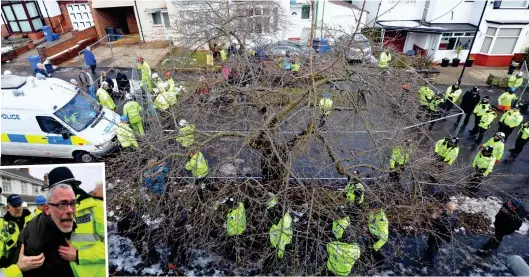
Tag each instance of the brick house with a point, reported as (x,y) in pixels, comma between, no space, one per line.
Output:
(19,181)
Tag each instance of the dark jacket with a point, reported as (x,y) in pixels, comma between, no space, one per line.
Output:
(41,71)
(89,57)
(41,235)
(445,225)
(507,221)
(469,102)
(123,82)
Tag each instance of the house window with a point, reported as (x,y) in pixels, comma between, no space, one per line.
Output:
(500,40)
(450,41)
(50,125)
(305,12)
(35,189)
(166,21)
(262,20)
(24,188)
(6,184)
(22,16)
(511,4)
(156,18)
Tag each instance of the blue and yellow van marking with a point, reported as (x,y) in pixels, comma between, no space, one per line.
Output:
(39,139)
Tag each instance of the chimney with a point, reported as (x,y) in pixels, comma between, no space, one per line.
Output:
(25,170)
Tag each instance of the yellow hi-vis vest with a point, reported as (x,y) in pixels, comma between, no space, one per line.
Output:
(487,119)
(197,165)
(379,227)
(6,236)
(326,105)
(125,136)
(384,60)
(350,190)
(483,164)
(399,157)
(342,257)
(339,226)
(236,221)
(11,271)
(186,135)
(512,118)
(515,82)
(281,234)
(506,99)
(105,99)
(481,109)
(145,76)
(425,95)
(449,155)
(89,239)
(452,95)
(132,110)
(498,147)
(524,132)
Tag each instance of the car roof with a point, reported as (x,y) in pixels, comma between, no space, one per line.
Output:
(12,81)
(44,96)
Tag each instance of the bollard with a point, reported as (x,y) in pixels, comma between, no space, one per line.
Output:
(517,265)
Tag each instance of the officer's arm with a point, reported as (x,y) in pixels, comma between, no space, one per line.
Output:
(189,164)
(438,145)
(95,254)
(11,271)
(392,160)
(499,153)
(489,168)
(383,237)
(453,156)
(500,99)
(503,117)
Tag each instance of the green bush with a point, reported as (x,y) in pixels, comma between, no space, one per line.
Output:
(526,55)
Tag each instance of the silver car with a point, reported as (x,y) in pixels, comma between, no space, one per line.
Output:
(356,48)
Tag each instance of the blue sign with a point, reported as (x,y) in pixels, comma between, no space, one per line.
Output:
(11,116)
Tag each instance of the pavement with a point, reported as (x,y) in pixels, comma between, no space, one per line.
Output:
(474,76)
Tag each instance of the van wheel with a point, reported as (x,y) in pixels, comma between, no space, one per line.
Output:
(83,157)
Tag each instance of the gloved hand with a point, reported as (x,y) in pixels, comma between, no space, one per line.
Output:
(172,266)
(497,161)
(481,147)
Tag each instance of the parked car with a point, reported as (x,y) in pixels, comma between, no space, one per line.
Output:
(276,49)
(355,48)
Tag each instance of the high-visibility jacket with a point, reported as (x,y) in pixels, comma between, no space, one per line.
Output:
(162,101)
(449,154)
(209,60)
(170,87)
(506,99)
(481,109)
(434,104)
(512,118)
(326,105)
(272,202)
(105,99)
(89,239)
(197,165)
(339,226)
(132,110)
(425,95)
(11,271)
(37,212)
(352,190)
(384,60)
(186,135)
(223,54)
(295,67)
(498,147)
(484,164)
(452,95)
(236,220)
(399,157)
(9,241)
(524,132)
(515,82)
(145,75)
(487,119)
(342,257)
(379,227)
(281,234)
(125,136)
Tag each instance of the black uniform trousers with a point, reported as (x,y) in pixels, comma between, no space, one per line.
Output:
(505,129)
(518,145)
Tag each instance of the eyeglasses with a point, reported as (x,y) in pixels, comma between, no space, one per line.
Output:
(64,205)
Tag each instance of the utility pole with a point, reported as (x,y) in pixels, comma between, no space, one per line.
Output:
(473,41)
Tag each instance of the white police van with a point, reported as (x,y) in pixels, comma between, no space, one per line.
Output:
(48,118)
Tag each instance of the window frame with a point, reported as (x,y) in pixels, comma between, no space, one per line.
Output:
(35,189)
(305,7)
(9,183)
(41,125)
(497,4)
(9,5)
(458,38)
(265,20)
(161,19)
(24,188)
(496,36)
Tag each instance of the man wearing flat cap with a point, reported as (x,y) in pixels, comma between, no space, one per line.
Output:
(86,249)
(11,225)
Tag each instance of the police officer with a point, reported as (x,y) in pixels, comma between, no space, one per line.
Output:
(521,140)
(40,201)
(132,110)
(447,150)
(145,69)
(385,59)
(483,164)
(186,133)
(236,218)
(484,124)
(443,224)
(24,263)
(468,103)
(426,95)
(86,250)
(343,253)
(379,233)
(12,224)
(451,96)
(435,109)
(479,111)
(496,142)
(510,120)
(325,108)
(104,98)
(281,234)
(400,155)
(125,135)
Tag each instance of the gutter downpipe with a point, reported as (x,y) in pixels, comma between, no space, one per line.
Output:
(139,21)
(48,14)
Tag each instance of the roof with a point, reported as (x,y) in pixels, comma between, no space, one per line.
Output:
(426,27)
(346,4)
(513,22)
(42,96)
(12,81)
(20,174)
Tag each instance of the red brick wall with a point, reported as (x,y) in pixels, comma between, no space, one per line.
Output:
(102,19)
(132,23)
(5,32)
(84,34)
(77,37)
(66,22)
(55,22)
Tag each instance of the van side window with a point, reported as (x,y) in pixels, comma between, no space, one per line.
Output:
(50,125)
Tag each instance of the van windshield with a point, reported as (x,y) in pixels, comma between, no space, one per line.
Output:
(79,113)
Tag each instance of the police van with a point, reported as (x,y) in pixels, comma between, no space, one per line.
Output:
(48,118)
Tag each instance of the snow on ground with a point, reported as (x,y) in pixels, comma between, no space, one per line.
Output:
(6,49)
(489,207)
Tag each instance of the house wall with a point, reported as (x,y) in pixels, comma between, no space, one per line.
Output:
(371,7)
(394,11)
(51,6)
(16,188)
(5,32)
(444,12)
(150,32)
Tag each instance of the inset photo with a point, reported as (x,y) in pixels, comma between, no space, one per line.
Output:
(53,220)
